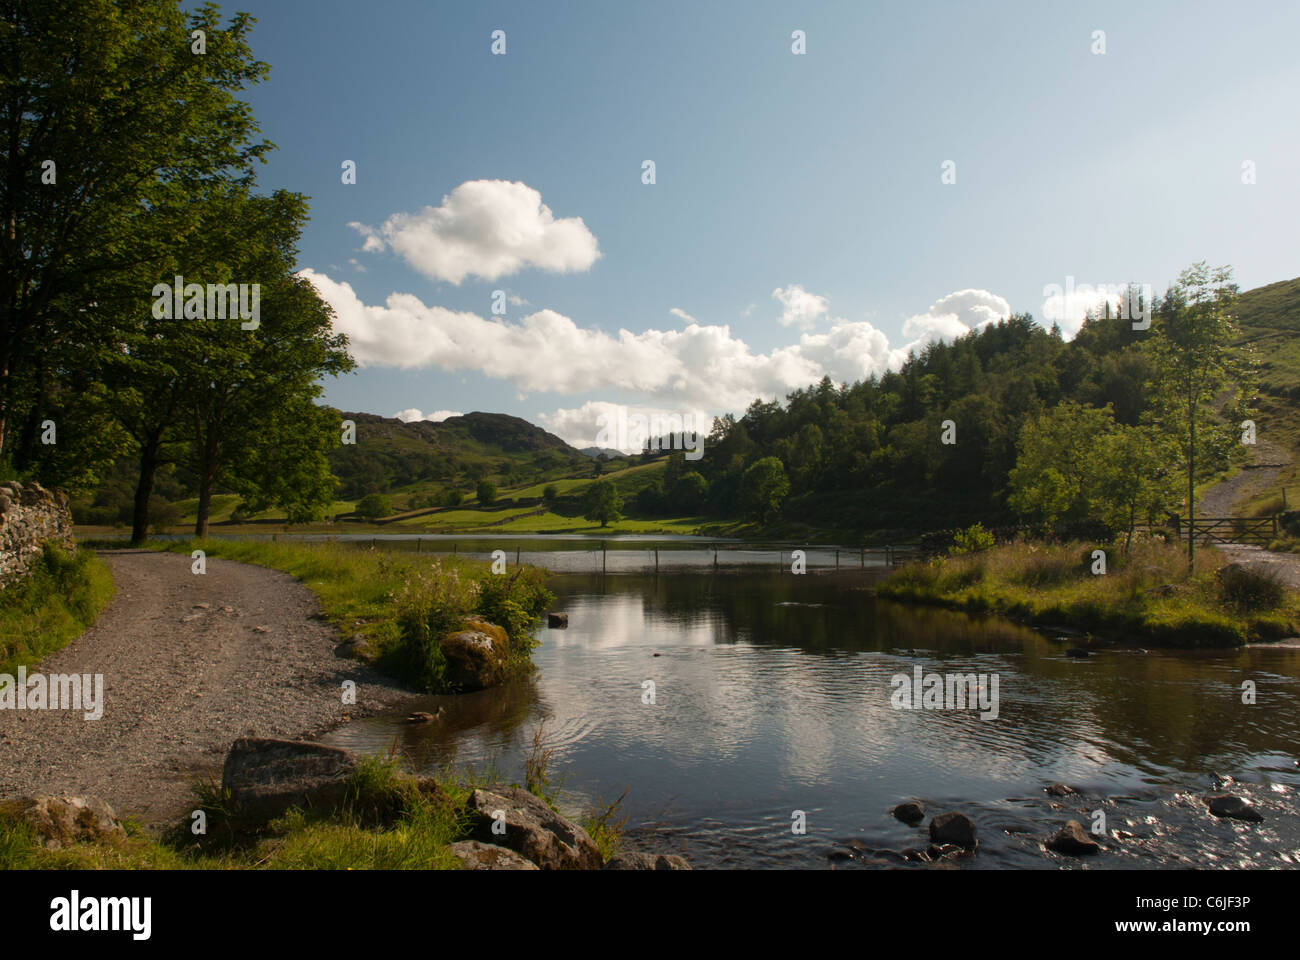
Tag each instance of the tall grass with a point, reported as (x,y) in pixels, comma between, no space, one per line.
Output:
(61,596)
(1147,595)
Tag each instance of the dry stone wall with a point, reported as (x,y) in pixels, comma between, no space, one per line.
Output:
(29,516)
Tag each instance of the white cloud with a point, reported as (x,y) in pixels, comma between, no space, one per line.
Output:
(698,367)
(799,307)
(683,315)
(486,229)
(1069,308)
(599,423)
(412,414)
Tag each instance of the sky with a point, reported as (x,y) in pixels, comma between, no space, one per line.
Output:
(920,169)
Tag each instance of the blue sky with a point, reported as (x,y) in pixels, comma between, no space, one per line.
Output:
(782,181)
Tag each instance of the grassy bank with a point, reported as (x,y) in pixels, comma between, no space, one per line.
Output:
(400,604)
(1147,596)
(388,821)
(62,596)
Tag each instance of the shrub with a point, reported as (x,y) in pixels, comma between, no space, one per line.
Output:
(374,506)
(1250,588)
(486,492)
(971,540)
(551,493)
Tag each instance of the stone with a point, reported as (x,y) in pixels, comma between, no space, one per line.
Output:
(557,620)
(953,828)
(61,820)
(266,777)
(1059,790)
(487,856)
(648,861)
(1073,839)
(1235,808)
(910,812)
(476,656)
(531,829)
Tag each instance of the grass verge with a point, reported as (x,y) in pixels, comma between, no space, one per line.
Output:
(1146,596)
(62,595)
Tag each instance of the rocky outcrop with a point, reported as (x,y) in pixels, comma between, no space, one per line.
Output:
(61,820)
(266,777)
(1234,808)
(476,655)
(559,620)
(488,856)
(954,828)
(911,812)
(647,861)
(516,819)
(30,515)
(1073,840)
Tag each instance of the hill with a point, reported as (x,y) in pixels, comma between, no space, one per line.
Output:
(1269,318)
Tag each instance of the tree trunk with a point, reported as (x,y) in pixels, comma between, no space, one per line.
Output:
(143,491)
(205,507)
(1191,490)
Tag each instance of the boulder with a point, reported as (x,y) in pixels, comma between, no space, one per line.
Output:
(911,812)
(1235,808)
(531,829)
(266,777)
(953,828)
(648,861)
(1059,790)
(61,820)
(476,656)
(1073,839)
(557,619)
(487,856)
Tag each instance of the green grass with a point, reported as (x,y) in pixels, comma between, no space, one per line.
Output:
(1147,596)
(388,820)
(61,596)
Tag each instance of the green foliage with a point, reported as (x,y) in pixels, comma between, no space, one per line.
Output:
(515,603)
(61,596)
(602,502)
(973,539)
(374,506)
(486,491)
(764,488)
(551,493)
(1251,589)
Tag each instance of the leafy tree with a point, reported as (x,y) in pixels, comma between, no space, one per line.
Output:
(136,124)
(374,506)
(1194,360)
(486,491)
(689,492)
(1056,477)
(764,488)
(551,493)
(602,502)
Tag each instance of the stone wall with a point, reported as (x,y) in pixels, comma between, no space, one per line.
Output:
(30,515)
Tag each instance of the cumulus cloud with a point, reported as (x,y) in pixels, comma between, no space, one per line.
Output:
(625,427)
(411,415)
(697,367)
(486,229)
(799,307)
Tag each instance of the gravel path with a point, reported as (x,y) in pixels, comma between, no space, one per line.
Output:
(190,663)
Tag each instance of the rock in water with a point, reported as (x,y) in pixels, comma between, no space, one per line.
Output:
(557,619)
(911,812)
(487,856)
(61,820)
(1074,840)
(1235,808)
(953,828)
(476,656)
(266,777)
(1059,790)
(647,861)
(531,829)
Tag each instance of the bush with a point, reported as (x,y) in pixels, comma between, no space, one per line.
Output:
(551,493)
(60,597)
(453,498)
(971,540)
(486,492)
(373,506)
(1250,589)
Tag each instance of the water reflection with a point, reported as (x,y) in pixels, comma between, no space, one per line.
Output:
(772,694)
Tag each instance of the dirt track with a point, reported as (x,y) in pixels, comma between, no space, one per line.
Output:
(182,681)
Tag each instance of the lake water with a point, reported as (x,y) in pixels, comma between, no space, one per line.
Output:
(772,694)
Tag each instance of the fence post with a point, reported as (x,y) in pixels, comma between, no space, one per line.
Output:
(862,557)
(516,556)
(656,559)
(602,557)
(419,544)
